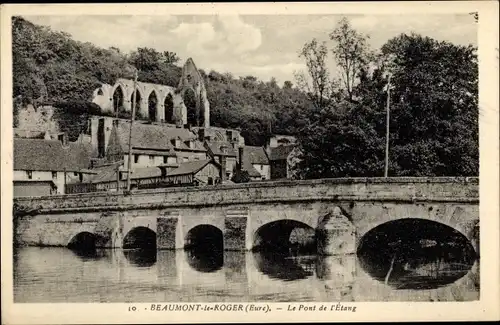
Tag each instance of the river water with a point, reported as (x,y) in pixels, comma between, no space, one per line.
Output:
(116,275)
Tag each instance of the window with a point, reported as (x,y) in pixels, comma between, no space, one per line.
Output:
(80,177)
(54,175)
(75,174)
(151,158)
(165,159)
(136,159)
(30,174)
(210,181)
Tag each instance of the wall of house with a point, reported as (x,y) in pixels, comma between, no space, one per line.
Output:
(146,161)
(209,171)
(190,155)
(278,169)
(264,170)
(21,175)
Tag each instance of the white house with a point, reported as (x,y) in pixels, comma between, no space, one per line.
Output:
(44,167)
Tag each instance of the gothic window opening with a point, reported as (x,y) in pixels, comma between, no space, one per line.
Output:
(193,115)
(118,99)
(152,105)
(138,100)
(169,109)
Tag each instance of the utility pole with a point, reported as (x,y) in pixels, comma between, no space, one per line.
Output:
(129,167)
(386,171)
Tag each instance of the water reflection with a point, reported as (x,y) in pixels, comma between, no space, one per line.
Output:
(205,261)
(418,268)
(141,257)
(88,254)
(284,266)
(61,275)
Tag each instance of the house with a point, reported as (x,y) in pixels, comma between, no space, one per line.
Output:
(225,154)
(44,167)
(153,145)
(258,159)
(282,159)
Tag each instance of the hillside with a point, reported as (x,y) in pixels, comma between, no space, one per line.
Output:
(340,123)
(50,66)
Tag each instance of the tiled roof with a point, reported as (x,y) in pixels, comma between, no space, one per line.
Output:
(146,172)
(281,152)
(215,148)
(252,172)
(154,152)
(155,137)
(256,155)
(106,173)
(189,167)
(49,155)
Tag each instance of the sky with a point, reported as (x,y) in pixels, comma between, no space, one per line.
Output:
(264,46)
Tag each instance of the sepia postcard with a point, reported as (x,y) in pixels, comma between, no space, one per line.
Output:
(250,162)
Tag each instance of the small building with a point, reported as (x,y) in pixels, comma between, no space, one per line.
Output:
(193,173)
(225,154)
(282,159)
(38,162)
(257,157)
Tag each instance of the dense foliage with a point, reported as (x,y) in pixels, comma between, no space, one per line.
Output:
(340,123)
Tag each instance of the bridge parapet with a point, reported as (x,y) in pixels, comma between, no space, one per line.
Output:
(408,189)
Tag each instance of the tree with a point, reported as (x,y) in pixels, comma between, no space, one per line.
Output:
(317,82)
(351,52)
(170,58)
(436,93)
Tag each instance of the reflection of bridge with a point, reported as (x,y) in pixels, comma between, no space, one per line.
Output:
(239,276)
(341,211)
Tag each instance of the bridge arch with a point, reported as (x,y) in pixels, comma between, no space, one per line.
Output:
(140,237)
(284,235)
(412,253)
(84,240)
(205,237)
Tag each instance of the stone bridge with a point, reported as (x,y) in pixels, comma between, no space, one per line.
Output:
(340,212)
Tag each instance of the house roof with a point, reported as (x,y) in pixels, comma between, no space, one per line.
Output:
(256,155)
(50,155)
(106,173)
(252,172)
(155,137)
(146,172)
(190,167)
(215,148)
(153,152)
(281,152)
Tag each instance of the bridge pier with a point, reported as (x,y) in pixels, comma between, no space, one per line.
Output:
(166,236)
(235,230)
(335,234)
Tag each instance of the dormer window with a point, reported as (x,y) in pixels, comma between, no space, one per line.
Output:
(176,143)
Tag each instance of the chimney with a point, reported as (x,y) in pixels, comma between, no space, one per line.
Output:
(201,135)
(222,161)
(240,158)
